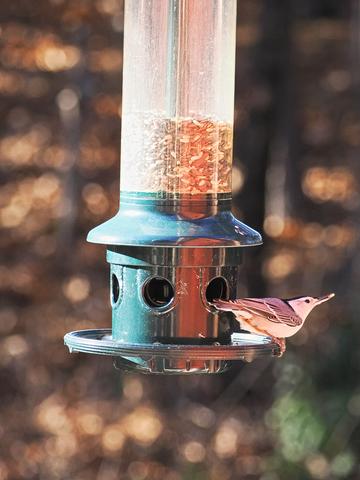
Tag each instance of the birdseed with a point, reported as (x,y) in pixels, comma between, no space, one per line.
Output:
(176,155)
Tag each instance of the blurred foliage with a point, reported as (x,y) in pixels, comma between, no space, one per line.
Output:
(297,141)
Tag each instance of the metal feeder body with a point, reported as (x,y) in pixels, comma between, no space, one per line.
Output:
(174,245)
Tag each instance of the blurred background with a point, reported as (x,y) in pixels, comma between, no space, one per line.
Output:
(297,145)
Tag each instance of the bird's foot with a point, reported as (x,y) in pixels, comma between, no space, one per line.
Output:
(281,343)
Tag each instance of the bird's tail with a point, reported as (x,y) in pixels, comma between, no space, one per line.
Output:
(224,305)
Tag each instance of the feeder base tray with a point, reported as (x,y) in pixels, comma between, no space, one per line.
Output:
(171,358)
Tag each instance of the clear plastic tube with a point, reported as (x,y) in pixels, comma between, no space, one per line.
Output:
(178,97)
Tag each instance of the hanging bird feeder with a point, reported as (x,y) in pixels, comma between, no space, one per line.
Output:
(174,246)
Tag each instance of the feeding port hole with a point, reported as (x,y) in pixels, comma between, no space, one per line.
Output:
(115,289)
(217,288)
(158,292)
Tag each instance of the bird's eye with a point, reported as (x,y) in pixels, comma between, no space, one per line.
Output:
(307,301)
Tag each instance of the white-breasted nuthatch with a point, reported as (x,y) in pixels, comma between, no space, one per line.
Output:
(275,317)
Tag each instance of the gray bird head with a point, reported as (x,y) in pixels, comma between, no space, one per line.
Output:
(304,305)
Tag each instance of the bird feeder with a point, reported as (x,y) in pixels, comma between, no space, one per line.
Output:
(174,246)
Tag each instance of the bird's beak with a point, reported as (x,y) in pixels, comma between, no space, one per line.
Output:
(325,298)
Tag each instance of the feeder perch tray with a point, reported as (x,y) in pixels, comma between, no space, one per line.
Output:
(171,358)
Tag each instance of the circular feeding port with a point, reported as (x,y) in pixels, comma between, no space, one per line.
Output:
(158,292)
(217,288)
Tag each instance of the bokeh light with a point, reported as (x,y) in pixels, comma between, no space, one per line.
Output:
(74,417)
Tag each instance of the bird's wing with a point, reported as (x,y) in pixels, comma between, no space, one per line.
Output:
(273,309)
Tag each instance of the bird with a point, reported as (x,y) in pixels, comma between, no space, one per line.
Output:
(275,317)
